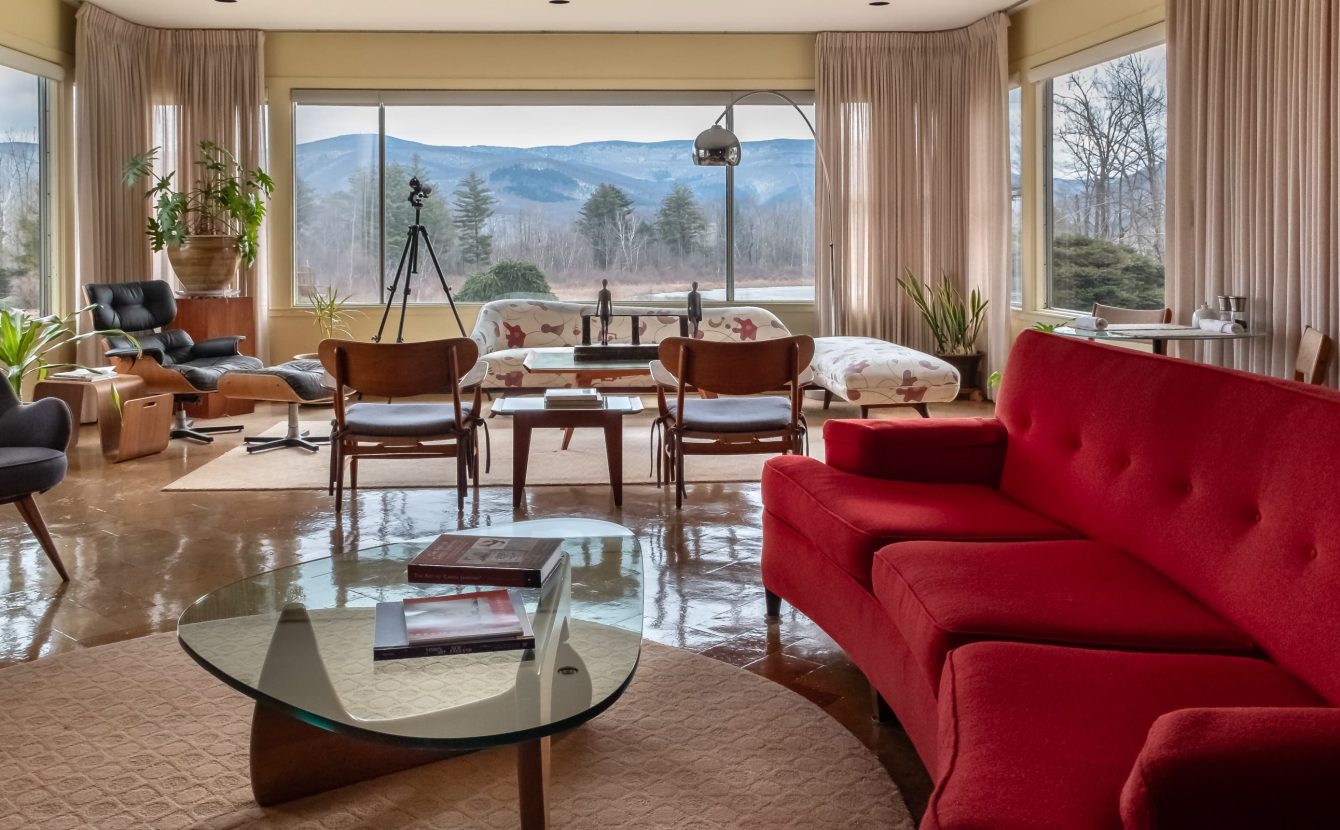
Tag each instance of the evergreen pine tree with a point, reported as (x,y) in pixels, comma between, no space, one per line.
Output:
(680,223)
(474,205)
(605,212)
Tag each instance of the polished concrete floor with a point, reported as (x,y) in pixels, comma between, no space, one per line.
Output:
(138,556)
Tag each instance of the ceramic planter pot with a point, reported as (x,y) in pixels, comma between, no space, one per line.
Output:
(206,265)
(969,368)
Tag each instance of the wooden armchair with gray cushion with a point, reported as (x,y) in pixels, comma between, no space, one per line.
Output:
(33,438)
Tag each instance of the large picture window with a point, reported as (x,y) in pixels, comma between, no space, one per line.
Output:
(1107,152)
(25,227)
(547,196)
(1016,107)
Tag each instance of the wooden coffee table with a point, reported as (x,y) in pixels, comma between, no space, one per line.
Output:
(529,414)
(563,361)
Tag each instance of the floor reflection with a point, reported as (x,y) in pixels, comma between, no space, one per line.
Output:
(139,556)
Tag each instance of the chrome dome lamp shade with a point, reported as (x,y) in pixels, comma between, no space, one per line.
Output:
(716,146)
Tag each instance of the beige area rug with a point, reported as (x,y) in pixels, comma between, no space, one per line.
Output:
(584,461)
(135,735)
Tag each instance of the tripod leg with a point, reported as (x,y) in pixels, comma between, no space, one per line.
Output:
(445,288)
(413,252)
(390,294)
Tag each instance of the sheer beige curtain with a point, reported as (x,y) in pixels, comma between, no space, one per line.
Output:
(137,86)
(914,127)
(1254,167)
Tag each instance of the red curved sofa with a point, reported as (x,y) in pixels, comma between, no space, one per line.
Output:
(1114,605)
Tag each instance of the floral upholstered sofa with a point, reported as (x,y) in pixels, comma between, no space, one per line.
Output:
(861,370)
(507,331)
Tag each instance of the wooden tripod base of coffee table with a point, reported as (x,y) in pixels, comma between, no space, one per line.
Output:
(291,759)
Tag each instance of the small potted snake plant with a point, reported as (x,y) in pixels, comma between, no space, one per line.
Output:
(331,315)
(955,323)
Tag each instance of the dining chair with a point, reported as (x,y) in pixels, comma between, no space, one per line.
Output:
(33,438)
(409,429)
(1132,316)
(1314,357)
(729,425)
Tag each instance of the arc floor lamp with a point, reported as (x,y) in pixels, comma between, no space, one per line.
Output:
(717,146)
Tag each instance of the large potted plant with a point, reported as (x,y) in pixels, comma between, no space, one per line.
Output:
(955,323)
(211,226)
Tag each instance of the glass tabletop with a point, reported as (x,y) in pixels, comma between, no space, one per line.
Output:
(300,638)
(564,361)
(624,404)
(1158,331)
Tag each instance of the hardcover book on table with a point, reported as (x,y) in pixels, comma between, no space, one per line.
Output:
(509,561)
(573,399)
(461,624)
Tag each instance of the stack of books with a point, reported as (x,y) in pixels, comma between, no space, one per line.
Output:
(573,399)
(506,561)
(84,375)
(460,624)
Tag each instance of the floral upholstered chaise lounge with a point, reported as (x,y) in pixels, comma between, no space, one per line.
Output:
(861,370)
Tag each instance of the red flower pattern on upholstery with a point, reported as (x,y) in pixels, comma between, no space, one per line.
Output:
(748,329)
(516,336)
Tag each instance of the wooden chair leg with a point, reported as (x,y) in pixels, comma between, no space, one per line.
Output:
(462,471)
(679,472)
(339,484)
(353,476)
(31,515)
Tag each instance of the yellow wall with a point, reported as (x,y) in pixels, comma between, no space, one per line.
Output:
(343,60)
(41,28)
(1040,33)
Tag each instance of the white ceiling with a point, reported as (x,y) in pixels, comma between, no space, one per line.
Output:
(541,16)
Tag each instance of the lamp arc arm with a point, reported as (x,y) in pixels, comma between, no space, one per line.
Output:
(818,147)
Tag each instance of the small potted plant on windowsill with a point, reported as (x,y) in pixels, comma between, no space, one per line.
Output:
(210,228)
(955,323)
(331,314)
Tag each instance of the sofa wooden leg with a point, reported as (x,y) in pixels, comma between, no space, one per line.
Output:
(774,604)
(922,409)
(880,711)
(865,412)
(828,398)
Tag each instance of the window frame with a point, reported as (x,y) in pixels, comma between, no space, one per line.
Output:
(1040,81)
(381,99)
(50,77)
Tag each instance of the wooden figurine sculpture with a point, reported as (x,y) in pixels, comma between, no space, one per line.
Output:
(604,311)
(695,311)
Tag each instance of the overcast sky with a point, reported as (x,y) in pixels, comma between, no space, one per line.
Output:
(536,126)
(18,105)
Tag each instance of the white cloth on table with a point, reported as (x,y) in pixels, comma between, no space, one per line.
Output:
(1087,322)
(1222,326)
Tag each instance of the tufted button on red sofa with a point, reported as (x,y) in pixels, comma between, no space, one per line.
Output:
(1115,605)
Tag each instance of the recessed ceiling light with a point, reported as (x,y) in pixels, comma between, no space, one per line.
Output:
(559,2)
(879,2)
(225,1)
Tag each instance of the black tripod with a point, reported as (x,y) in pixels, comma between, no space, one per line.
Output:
(410,256)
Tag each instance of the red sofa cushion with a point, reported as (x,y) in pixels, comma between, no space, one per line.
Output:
(959,450)
(849,517)
(942,595)
(1036,737)
(1221,480)
(1236,769)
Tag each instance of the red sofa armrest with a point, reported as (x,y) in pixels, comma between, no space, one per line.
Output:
(1235,769)
(946,450)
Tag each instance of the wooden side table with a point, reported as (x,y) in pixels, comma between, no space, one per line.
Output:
(82,396)
(529,414)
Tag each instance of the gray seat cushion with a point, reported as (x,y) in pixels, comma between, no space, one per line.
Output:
(389,420)
(304,377)
(734,414)
(25,470)
(204,373)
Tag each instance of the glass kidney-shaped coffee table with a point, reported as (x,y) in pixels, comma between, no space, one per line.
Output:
(299,641)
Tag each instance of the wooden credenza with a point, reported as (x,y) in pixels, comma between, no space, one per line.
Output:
(206,317)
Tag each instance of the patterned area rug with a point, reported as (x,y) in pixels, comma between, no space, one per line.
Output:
(135,735)
(584,462)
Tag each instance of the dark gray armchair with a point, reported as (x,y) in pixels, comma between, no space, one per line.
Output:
(33,438)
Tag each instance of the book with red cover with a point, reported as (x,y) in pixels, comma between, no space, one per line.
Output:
(460,624)
(509,561)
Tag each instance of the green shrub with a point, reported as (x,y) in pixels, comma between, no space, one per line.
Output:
(504,279)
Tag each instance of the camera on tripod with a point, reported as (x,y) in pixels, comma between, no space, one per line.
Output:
(418,192)
(415,236)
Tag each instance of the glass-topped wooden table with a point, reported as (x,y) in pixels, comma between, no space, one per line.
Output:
(299,641)
(1156,334)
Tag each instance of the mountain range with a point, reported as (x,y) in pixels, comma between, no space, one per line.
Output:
(560,178)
